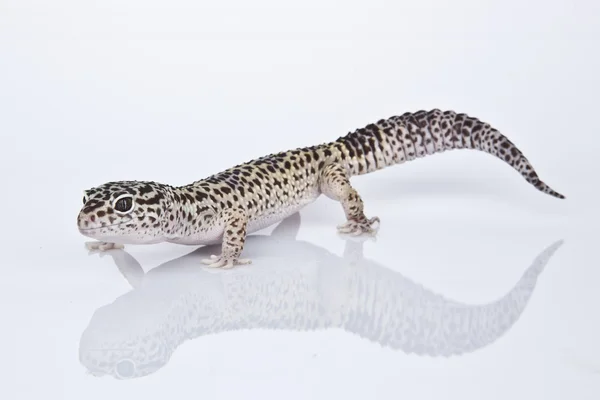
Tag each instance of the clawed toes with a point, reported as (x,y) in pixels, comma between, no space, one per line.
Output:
(103,246)
(357,228)
(209,260)
(223,262)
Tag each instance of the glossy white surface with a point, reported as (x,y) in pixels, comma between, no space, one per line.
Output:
(478,286)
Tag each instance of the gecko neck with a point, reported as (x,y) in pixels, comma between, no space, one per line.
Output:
(192,215)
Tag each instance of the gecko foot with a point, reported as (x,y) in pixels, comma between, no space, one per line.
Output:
(358,227)
(103,246)
(224,262)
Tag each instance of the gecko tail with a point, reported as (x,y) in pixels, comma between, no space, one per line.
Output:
(491,141)
(414,135)
(495,143)
(543,187)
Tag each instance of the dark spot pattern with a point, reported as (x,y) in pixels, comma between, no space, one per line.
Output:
(417,134)
(265,190)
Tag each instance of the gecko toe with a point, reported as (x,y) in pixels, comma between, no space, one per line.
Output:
(214,261)
(103,246)
(224,262)
(359,227)
(214,264)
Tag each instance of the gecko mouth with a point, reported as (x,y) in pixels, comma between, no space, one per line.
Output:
(105,226)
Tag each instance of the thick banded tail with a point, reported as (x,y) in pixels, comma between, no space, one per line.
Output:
(414,135)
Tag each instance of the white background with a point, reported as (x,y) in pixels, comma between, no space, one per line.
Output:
(93,91)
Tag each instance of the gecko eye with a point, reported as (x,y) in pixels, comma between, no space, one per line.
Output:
(85,198)
(124,204)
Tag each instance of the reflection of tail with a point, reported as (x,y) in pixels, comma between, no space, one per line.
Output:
(419,321)
(414,135)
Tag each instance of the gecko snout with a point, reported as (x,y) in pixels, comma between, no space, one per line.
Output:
(86,221)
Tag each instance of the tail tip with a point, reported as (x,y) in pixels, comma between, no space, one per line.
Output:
(556,194)
(546,189)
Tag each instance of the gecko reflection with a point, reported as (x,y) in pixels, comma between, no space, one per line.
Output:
(300,287)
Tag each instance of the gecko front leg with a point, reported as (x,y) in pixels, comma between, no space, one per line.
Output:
(234,236)
(335,184)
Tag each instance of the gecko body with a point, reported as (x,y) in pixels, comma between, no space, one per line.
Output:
(226,207)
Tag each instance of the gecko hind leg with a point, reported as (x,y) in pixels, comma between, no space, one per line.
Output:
(335,184)
(234,237)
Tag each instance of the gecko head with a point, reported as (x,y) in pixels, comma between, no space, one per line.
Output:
(125,212)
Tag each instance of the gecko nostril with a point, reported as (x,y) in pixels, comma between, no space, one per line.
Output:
(93,218)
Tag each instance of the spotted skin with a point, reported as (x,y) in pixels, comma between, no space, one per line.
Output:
(225,207)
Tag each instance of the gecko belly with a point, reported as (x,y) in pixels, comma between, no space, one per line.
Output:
(256,222)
